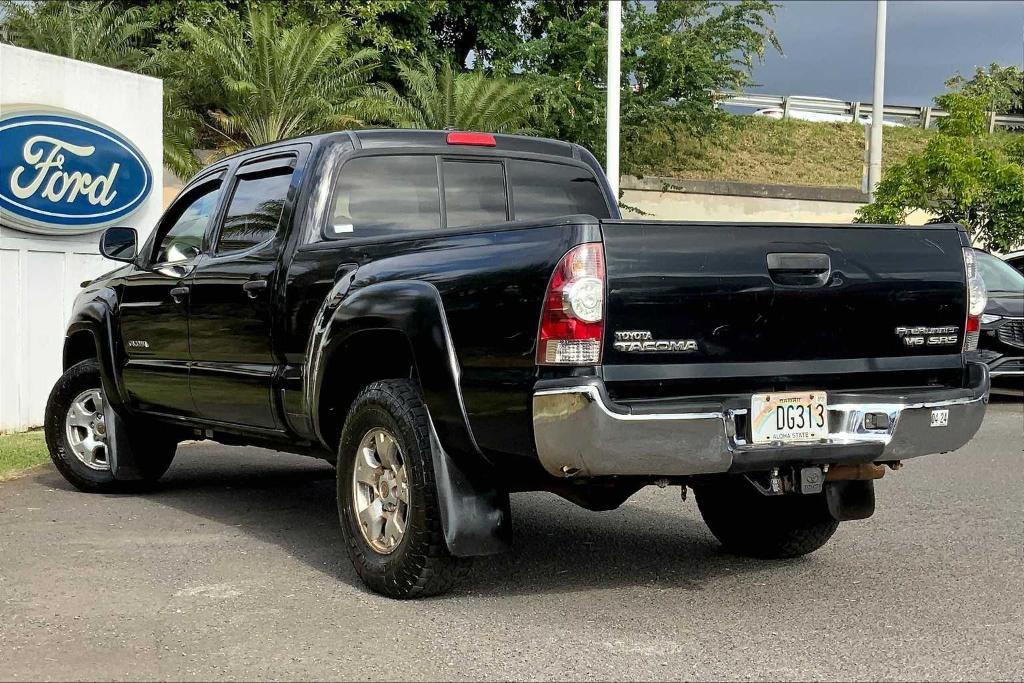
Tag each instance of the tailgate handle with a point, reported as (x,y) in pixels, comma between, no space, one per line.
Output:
(799,269)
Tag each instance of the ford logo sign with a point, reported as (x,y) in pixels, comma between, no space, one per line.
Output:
(63,174)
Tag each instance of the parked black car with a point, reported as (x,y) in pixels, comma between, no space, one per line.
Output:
(1002,324)
(450,317)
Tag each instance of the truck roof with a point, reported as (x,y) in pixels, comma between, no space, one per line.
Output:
(392,137)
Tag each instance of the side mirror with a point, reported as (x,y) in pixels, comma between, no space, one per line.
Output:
(119,244)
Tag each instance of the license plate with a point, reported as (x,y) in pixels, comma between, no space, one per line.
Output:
(789,416)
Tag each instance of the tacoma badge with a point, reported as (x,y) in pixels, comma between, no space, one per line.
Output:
(641,341)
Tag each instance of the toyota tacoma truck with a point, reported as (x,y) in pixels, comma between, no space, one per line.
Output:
(448,317)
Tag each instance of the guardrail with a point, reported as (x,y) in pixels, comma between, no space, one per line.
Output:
(856,111)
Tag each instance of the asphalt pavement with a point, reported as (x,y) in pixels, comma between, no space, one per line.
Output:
(234,569)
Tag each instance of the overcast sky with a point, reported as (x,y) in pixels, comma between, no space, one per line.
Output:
(829,46)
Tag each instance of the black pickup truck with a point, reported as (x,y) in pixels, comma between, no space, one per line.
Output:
(449,317)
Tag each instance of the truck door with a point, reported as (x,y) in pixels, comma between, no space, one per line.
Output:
(232,288)
(154,303)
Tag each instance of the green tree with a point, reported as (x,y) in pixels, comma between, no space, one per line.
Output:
(1001,87)
(675,57)
(86,31)
(486,29)
(962,176)
(440,96)
(256,80)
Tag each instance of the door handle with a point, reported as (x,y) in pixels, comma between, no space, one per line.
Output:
(799,269)
(253,287)
(179,294)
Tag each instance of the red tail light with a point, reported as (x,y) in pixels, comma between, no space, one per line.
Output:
(478,139)
(572,320)
(977,299)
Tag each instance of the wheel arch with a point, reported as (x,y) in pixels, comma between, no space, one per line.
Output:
(407,318)
(346,373)
(80,345)
(91,333)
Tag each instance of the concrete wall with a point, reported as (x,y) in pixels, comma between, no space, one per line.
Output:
(40,274)
(701,200)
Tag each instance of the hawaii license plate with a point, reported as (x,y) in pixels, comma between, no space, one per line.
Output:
(789,416)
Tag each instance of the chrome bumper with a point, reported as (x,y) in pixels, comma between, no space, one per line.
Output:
(579,431)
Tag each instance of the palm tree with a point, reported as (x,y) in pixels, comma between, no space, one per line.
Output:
(266,82)
(441,97)
(87,31)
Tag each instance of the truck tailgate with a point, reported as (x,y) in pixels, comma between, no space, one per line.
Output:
(728,300)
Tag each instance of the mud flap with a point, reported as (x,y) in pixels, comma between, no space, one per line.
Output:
(477,519)
(122,458)
(849,500)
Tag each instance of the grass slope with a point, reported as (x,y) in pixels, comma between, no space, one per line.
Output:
(21,451)
(760,150)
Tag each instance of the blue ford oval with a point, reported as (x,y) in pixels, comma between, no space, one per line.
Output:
(61,172)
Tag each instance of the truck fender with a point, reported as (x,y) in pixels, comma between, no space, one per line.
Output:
(475,512)
(95,317)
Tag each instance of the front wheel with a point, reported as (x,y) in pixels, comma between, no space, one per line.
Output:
(387,499)
(750,523)
(78,435)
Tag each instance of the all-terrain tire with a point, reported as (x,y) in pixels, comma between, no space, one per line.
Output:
(420,565)
(750,523)
(153,446)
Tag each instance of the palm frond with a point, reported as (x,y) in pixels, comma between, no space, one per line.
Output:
(440,96)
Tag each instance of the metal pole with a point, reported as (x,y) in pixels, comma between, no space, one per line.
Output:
(878,102)
(614,79)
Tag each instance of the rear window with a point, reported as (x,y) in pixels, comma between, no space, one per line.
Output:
(386,194)
(474,193)
(544,190)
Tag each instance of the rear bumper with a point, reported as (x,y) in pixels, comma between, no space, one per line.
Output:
(1001,365)
(579,431)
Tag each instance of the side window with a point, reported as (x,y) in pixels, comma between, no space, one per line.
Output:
(385,194)
(474,193)
(254,212)
(544,190)
(181,238)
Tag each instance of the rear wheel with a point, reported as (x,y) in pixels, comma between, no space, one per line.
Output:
(750,523)
(387,498)
(78,435)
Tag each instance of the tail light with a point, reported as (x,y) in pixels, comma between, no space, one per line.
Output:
(977,299)
(572,320)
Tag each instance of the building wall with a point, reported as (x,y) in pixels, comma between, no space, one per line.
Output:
(716,207)
(698,200)
(41,274)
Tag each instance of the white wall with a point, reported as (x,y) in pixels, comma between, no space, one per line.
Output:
(699,200)
(715,207)
(40,274)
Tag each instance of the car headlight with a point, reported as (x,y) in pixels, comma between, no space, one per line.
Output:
(987,318)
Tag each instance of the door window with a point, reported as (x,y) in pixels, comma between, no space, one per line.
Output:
(182,238)
(254,213)
(544,190)
(474,193)
(381,195)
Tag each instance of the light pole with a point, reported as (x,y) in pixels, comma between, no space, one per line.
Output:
(612,90)
(877,102)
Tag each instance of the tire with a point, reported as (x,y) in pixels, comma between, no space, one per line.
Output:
(153,448)
(419,563)
(749,523)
